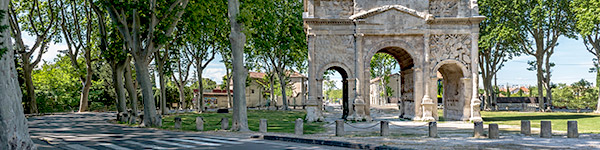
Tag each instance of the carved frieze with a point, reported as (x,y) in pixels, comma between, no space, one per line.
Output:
(443,8)
(450,46)
(334,8)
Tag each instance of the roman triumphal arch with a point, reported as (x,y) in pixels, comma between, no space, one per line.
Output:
(424,36)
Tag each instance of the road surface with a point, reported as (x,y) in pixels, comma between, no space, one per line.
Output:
(91,131)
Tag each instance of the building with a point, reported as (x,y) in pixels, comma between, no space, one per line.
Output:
(376,90)
(257,92)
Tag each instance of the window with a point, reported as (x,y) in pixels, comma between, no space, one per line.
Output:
(252,91)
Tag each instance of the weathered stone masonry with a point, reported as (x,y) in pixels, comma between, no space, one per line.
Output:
(425,36)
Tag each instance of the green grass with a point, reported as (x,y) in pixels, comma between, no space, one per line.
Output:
(587,122)
(278,121)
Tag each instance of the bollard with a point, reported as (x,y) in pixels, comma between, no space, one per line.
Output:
(199,124)
(299,129)
(124,117)
(526,127)
(262,128)
(177,123)
(339,128)
(433,132)
(224,123)
(572,131)
(478,129)
(494,132)
(546,129)
(385,128)
(159,120)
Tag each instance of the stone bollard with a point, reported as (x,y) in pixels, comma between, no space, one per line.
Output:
(159,120)
(546,129)
(572,131)
(177,123)
(199,124)
(339,128)
(385,128)
(494,132)
(433,132)
(299,129)
(224,123)
(478,129)
(526,127)
(262,128)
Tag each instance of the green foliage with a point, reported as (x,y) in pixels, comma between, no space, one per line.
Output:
(275,33)
(579,95)
(586,14)
(57,86)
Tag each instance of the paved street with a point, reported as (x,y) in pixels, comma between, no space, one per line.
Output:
(90,131)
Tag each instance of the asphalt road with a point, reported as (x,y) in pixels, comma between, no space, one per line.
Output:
(91,131)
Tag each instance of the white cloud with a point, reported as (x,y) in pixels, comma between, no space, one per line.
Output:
(215,74)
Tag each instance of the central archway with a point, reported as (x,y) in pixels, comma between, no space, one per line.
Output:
(406,101)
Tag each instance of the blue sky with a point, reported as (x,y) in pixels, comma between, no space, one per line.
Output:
(571,57)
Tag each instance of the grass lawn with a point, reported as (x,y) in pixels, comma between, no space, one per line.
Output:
(587,122)
(278,121)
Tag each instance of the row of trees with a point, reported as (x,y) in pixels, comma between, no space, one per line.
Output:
(533,27)
(113,48)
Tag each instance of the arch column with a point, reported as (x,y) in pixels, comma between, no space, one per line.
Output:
(361,106)
(427,103)
(313,113)
(475,101)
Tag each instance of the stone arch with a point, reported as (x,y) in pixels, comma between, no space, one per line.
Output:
(328,66)
(409,60)
(391,43)
(455,97)
(348,85)
(466,72)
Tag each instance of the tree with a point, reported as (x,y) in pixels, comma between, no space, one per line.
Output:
(237,40)
(382,65)
(588,26)
(113,51)
(39,20)
(205,29)
(496,44)
(183,62)
(276,34)
(143,40)
(540,24)
(14,133)
(76,22)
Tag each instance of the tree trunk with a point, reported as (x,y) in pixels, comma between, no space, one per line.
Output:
(27,70)
(540,79)
(87,83)
(598,86)
(117,77)
(181,89)
(229,97)
(143,78)
(200,100)
(273,102)
(283,94)
(548,83)
(14,133)
(131,88)
(237,40)
(496,95)
(163,85)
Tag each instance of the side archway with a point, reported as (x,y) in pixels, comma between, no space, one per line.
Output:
(454,86)
(348,84)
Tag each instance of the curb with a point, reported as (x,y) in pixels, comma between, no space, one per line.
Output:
(328,143)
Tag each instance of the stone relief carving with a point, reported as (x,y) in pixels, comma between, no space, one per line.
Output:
(335,8)
(450,46)
(443,8)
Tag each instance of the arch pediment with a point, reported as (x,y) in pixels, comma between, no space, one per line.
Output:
(400,8)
